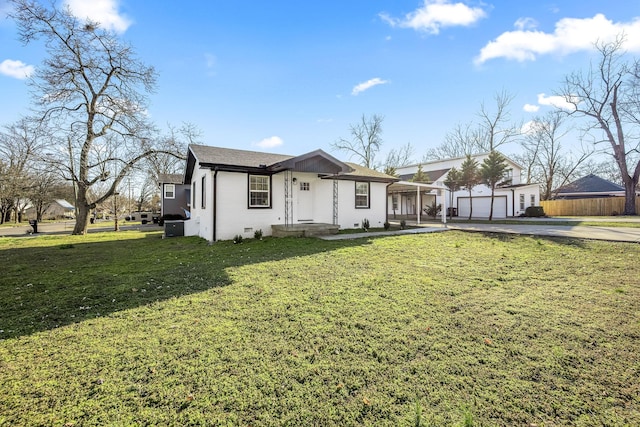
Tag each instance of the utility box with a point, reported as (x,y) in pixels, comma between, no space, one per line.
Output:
(173,228)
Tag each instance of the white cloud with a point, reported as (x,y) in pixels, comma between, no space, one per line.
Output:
(529,108)
(103,11)
(367,85)
(570,35)
(555,101)
(526,24)
(272,142)
(436,14)
(16,69)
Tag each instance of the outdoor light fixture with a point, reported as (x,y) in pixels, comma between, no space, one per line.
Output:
(294,180)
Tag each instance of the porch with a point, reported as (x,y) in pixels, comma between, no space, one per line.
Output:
(304,230)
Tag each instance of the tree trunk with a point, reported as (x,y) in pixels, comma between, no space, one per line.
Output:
(491,208)
(470,205)
(84,209)
(630,197)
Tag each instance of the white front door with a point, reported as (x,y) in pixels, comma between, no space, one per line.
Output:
(304,191)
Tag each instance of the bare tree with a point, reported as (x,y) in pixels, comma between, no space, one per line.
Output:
(365,142)
(397,158)
(607,96)
(20,144)
(495,125)
(544,157)
(464,139)
(91,94)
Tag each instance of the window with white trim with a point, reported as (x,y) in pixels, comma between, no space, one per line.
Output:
(203,192)
(533,200)
(259,191)
(169,191)
(522,202)
(193,194)
(304,186)
(362,195)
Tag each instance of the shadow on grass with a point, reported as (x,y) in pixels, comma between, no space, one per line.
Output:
(508,237)
(63,280)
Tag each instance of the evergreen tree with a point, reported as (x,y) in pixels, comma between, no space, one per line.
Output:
(469,178)
(492,172)
(452,182)
(420,176)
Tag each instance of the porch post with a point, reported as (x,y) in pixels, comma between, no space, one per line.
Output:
(443,196)
(418,203)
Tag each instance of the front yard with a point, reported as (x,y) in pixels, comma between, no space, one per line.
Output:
(436,329)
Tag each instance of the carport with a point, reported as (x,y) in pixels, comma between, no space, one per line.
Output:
(419,189)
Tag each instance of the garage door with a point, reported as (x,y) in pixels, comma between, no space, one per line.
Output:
(481,207)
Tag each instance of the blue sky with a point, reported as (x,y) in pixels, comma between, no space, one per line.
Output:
(291,76)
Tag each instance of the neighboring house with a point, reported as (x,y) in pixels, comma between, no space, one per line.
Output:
(175,195)
(588,187)
(59,208)
(237,192)
(510,198)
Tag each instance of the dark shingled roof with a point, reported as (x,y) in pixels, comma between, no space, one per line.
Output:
(589,184)
(232,157)
(170,178)
(431,175)
(243,160)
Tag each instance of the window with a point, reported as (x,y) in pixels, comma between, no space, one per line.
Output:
(304,186)
(193,195)
(169,191)
(259,191)
(203,189)
(522,202)
(533,200)
(362,195)
(394,202)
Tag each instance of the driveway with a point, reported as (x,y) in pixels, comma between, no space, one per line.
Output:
(614,234)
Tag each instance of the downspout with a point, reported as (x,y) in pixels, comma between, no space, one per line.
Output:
(215,203)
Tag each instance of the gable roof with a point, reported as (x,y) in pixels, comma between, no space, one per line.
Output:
(318,161)
(589,184)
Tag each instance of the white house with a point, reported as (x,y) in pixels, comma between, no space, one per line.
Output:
(236,192)
(510,199)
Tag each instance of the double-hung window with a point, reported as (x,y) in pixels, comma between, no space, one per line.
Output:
(169,191)
(522,202)
(259,191)
(362,195)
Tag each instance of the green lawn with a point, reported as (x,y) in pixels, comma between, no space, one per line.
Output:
(441,329)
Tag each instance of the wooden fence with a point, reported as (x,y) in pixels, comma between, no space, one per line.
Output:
(605,206)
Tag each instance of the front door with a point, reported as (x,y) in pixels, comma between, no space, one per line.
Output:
(305,201)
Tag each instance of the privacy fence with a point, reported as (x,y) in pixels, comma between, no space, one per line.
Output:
(586,207)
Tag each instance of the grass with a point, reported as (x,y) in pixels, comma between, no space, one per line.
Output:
(423,330)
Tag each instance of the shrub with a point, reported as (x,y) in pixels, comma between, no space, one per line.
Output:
(365,224)
(257,234)
(387,226)
(534,211)
(433,210)
(237,239)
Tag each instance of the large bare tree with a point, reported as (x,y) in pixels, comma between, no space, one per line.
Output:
(607,95)
(91,93)
(365,142)
(493,129)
